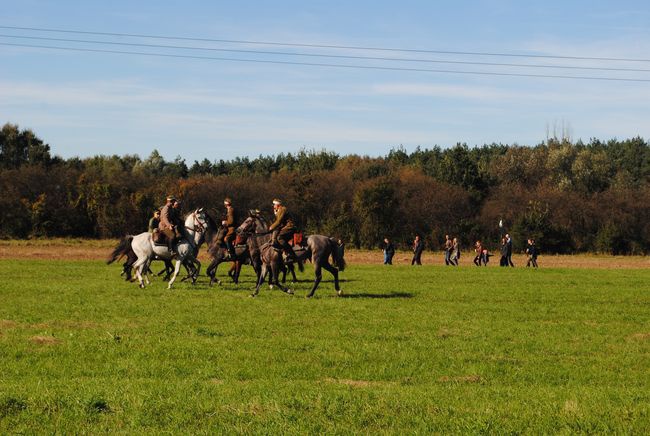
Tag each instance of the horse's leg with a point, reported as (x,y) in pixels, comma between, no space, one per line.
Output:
(292,269)
(236,266)
(318,275)
(275,276)
(176,270)
(211,271)
(335,273)
(146,270)
(137,266)
(197,270)
(260,280)
(284,273)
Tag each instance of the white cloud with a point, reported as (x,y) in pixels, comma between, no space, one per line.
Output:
(116,93)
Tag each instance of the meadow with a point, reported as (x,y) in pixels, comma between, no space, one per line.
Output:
(406,349)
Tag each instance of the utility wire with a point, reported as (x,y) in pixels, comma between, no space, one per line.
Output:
(345,47)
(314,64)
(330,56)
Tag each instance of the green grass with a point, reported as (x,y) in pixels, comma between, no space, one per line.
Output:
(427,349)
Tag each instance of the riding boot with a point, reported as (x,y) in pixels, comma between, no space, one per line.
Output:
(291,255)
(231,251)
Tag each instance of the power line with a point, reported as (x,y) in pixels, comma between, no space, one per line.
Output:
(330,56)
(314,64)
(344,47)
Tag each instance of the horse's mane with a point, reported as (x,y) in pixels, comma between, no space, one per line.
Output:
(260,217)
(211,222)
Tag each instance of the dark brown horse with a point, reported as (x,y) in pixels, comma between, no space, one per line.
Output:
(219,253)
(319,249)
(265,258)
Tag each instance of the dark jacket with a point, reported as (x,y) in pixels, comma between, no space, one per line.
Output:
(153,224)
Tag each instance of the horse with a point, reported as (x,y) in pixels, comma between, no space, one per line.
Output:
(218,252)
(125,249)
(264,257)
(187,248)
(319,249)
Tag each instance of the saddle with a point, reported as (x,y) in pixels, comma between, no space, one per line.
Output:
(159,238)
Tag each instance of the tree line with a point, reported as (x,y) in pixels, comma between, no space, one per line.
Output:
(570,197)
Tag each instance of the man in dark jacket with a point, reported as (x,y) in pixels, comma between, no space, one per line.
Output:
(509,250)
(531,251)
(418,247)
(389,251)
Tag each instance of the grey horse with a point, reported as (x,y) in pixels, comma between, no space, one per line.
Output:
(187,248)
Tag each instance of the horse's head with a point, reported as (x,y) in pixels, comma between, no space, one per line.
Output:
(248,226)
(197,221)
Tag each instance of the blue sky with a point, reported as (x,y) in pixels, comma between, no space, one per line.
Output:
(85,104)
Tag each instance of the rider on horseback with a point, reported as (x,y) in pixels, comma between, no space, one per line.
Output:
(283,229)
(229,223)
(170,221)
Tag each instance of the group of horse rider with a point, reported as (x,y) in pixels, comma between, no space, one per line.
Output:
(168,221)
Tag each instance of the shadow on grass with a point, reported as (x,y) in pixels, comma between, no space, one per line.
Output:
(369,295)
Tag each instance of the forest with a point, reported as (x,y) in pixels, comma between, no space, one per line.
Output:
(570,196)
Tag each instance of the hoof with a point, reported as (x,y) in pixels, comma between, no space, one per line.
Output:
(252,295)
(219,282)
(339,293)
(289,291)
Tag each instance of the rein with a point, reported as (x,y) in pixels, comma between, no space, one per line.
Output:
(198,226)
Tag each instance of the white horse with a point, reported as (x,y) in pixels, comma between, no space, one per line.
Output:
(187,248)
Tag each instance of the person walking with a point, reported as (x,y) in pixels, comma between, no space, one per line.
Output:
(447,247)
(418,247)
(389,251)
(478,248)
(504,253)
(531,251)
(509,250)
(455,252)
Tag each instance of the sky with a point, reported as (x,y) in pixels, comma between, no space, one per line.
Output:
(88,103)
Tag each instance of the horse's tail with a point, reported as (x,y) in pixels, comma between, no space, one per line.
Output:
(122,249)
(338,251)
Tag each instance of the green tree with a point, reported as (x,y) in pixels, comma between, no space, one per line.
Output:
(375,206)
(19,148)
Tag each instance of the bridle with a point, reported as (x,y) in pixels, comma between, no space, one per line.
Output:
(199,227)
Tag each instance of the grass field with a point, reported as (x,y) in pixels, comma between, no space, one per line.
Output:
(427,349)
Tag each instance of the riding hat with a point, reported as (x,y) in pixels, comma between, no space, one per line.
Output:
(277,201)
(227,200)
(171,198)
